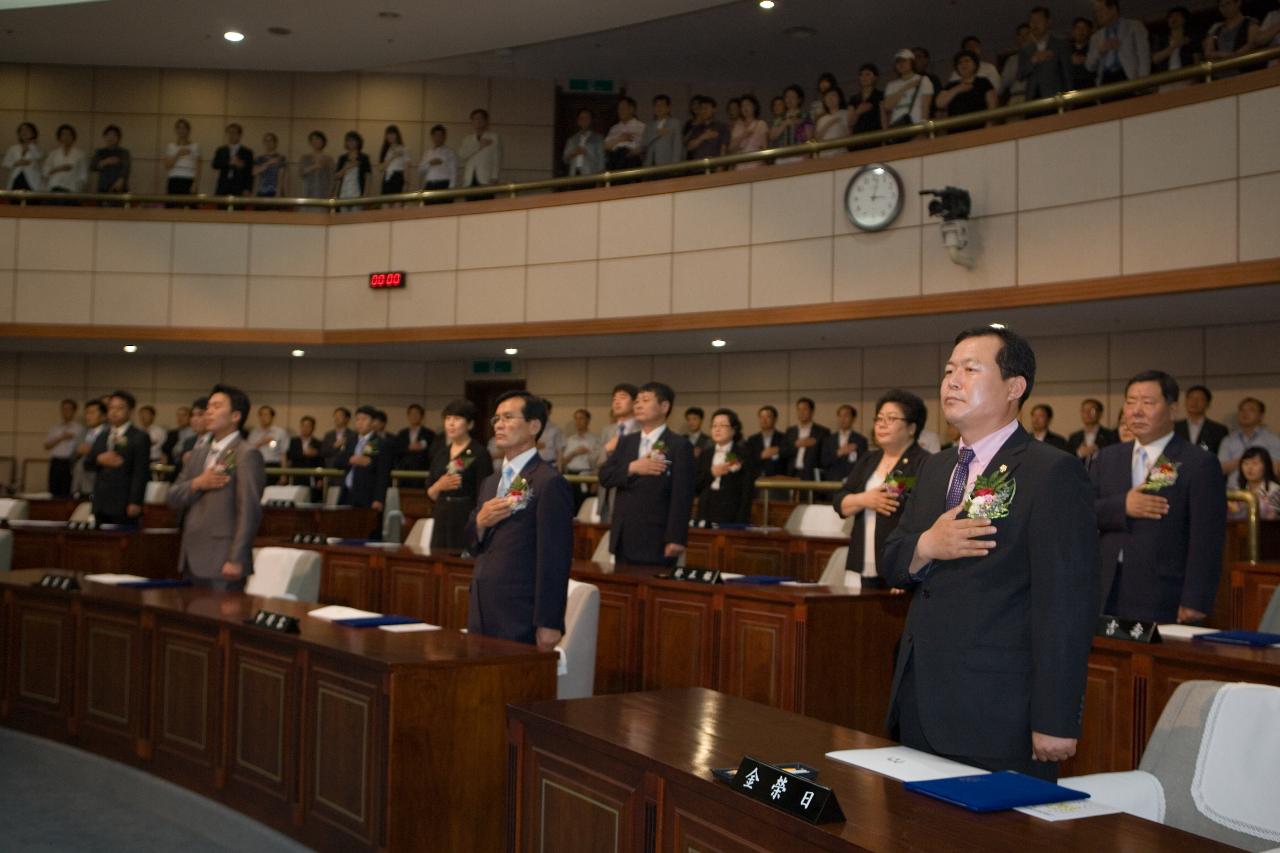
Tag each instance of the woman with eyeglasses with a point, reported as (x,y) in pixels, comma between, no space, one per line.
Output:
(881,481)
(459,464)
(725,476)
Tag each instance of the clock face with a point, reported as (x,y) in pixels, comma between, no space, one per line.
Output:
(873,198)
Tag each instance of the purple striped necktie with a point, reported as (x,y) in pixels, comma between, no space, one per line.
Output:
(960,478)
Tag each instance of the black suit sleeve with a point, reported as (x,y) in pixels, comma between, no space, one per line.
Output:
(1208,530)
(750,470)
(900,547)
(140,466)
(856,482)
(555,554)
(382,474)
(99,446)
(614,473)
(222,158)
(1108,507)
(702,479)
(681,494)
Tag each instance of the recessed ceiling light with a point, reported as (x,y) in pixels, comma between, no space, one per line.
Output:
(718,342)
(997,325)
(130,347)
(233,36)
(766,4)
(298,353)
(511,351)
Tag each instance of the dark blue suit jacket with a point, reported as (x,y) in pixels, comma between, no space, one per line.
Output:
(521,579)
(368,483)
(1170,562)
(1000,643)
(649,512)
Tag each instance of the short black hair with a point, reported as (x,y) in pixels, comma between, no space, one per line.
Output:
(588,111)
(148,408)
(1083,20)
(968,39)
(1208,395)
(460,408)
(307,419)
(35,131)
(345,411)
(67,128)
(963,54)
(827,76)
(695,410)
(921,50)
(663,392)
(417,406)
(1015,358)
(839,93)
(371,411)
(1041,10)
(318,134)
(128,398)
(869,66)
(479,111)
(705,99)
(380,415)
(1048,410)
(630,389)
(809,400)
(268,408)
(751,99)
(627,99)
(439,127)
(111,128)
(913,408)
(771,409)
(1178,10)
(795,87)
(74,404)
(664,98)
(586,412)
(1168,385)
(94,404)
(239,402)
(1097,404)
(200,403)
(734,421)
(534,409)
(236,126)
(351,134)
(1262,407)
(853,412)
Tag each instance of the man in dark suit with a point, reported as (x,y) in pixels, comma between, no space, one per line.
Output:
(1196,427)
(335,440)
(367,463)
(220,496)
(801,456)
(414,441)
(1085,443)
(767,449)
(234,164)
(521,533)
(1041,419)
(652,471)
(305,452)
(693,418)
(121,460)
(1000,542)
(183,451)
(175,438)
(843,447)
(1045,60)
(1161,513)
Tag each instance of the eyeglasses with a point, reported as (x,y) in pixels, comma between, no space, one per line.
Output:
(888,420)
(506,419)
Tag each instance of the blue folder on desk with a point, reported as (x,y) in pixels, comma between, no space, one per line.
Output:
(376,621)
(995,792)
(759,579)
(159,583)
(1240,638)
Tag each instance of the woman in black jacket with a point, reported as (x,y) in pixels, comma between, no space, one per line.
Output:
(459,464)
(725,473)
(877,488)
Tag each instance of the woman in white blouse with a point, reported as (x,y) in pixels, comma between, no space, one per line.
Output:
(392,161)
(834,123)
(23,160)
(66,169)
(181,160)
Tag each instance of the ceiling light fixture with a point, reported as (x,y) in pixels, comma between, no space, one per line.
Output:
(130,348)
(298,353)
(233,36)
(766,4)
(718,343)
(511,351)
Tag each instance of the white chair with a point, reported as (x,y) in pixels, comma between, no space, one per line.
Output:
(602,553)
(835,575)
(6,550)
(578,645)
(818,520)
(420,534)
(331,495)
(157,492)
(392,517)
(1176,782)
(82,512)
(292,494)
(1271,617)
(292,573)
(14,509)
(589,512)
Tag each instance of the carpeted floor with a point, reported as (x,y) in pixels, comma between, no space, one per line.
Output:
(56,797)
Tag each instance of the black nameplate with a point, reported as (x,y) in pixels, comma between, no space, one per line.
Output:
(66,583)
(281,504)
(310,539)
(683,573)
(1127,629)
(79,525)
(786,792)
(274,622)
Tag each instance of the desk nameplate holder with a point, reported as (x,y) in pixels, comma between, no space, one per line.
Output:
(66,583)
(795,795)
(1127,629)
(310,539)
(683,573)
(278,622)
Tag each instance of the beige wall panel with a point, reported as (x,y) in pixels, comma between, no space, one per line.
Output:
(392,98)
(992,240)
(691,373)
(1260,217)
(1162,230)
(186,373)
(131,299)
(258,375)
(522,147)
(133,247)
(191,92)
(326,96)
(1069,166)
(8,243)
(6,295)
(634,286)
(566,233)
(126,90)
(259,93)
(878,264)
(286,302)
(1072,358)
(1179,147)
(140,134)
(136,372)
(451,99)
(350,304)
(392,377)
(209,300)
(906,365)
(792,208)
(209,248)
(428,300)
(794,273)
(826,368)
(9,369)
(358,249)
(425,244)
(561,292)
(55,244)
(13,86)
(1259,130)
(51,369)
(912,208)
(988,172)
(636,226)
(751,371)
(53,297)
(1075,242)
(522,101)
(604,373)
(556,376)
(287,250)
(712,280)
(1243,349)
(1177,351)
(338,377)
(491,296)
(446,378)
(60,87)
(710,219)
(492,240)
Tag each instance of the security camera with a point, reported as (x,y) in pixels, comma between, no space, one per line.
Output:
(953,205)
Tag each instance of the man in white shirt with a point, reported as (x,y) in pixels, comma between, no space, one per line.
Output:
(61,442)
(155,432)
(551,442)
(481,154)
(579,453)
(624,144)
(270,440)
(66,168)
(439,167)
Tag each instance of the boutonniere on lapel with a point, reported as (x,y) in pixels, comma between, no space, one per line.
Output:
(658,451)
(1162,475)
(897,485)
(992,495)
(121,442)
(371,447)
(461,462)
(226,462)
(735,464)
(519,494)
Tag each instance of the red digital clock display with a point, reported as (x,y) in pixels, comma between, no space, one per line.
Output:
(382,280)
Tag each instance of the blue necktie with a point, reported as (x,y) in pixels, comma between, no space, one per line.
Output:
(1140,469)
(504,485)
(351,474)
(959,479)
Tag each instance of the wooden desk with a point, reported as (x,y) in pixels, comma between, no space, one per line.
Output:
(343,522)
(345,738)
(51,509)
(152,553)
(633,772)
(1252,585)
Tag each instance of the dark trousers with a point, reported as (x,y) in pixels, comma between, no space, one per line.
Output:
(178,186)
(476,183)
(393,183)
(437,185)
(60,478)
(1116,76)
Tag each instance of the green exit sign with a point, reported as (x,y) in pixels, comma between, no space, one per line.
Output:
(481,367)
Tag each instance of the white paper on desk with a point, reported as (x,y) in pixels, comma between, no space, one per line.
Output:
(1184,632)
(1070,810)
(728,576)
(114,580)
(409,628)
(337,611)
(905,764)
(800,583)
